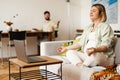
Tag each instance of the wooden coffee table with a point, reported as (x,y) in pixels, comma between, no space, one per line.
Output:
(42,74)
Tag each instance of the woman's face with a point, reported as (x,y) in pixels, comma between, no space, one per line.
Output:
(94,13)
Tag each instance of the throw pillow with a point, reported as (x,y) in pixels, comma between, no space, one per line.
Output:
(103,75)
(65,44)
(107,74)
(116,77)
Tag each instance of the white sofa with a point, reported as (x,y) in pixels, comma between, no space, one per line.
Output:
(71,72)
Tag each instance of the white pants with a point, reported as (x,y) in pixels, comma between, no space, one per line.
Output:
(95,59)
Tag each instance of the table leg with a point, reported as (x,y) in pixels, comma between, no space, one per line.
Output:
(38,48)
(61,71)
(20,73)
(9,70)
(46,71)
(49,36)
(2,59)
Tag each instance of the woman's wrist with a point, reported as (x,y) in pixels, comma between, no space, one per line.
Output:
(101,49)
(95,50)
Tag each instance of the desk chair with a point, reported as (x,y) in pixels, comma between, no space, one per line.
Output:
(21,35)
(56,33)
(1,47)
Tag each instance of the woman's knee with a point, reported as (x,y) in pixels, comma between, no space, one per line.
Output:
(97,59)
(73,57)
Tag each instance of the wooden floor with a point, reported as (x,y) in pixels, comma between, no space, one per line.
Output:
(4,70)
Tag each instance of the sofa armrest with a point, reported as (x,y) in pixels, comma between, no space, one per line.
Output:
(117,51)
(50,48)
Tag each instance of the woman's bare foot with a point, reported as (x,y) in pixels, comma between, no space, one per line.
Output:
(79,64)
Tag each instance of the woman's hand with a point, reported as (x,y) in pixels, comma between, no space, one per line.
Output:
(61,49)
(91,51)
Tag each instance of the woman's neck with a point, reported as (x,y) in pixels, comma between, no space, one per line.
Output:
(95,24)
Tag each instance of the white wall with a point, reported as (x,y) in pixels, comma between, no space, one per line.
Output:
(75,18)
(30,14)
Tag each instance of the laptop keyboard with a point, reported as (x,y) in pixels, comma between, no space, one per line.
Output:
(35,59)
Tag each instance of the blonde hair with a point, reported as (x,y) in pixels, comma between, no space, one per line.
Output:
(102,12)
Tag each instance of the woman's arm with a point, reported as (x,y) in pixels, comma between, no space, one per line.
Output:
(101,48)
(72,47)
(93,50)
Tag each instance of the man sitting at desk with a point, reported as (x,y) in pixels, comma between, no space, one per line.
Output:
(48,25)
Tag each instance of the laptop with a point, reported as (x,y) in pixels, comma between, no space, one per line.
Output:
(21,53)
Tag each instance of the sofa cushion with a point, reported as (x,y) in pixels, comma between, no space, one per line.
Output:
(72,72)
(65,44)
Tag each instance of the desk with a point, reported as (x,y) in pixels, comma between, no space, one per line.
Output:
(39,75)
(37,34)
